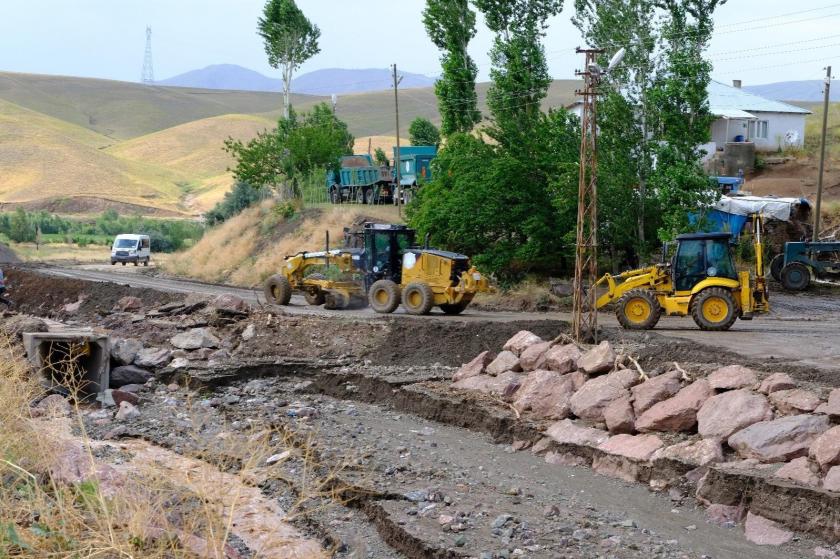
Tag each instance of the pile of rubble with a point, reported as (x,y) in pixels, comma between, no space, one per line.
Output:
(601,410)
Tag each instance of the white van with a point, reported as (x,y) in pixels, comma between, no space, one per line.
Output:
(131,248)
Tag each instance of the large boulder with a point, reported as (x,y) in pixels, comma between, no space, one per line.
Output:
(732,378)
(795,400)
(619,416)
(832,407)
(123,351)
(593,397)
(800,470)
(678,413)
(599,359)
(195,338)
(776,382)
(634,447)
(562,358)
(129,374)
(129,303)
(521,341)
(533,357)
(547,393)
(779,440)
(505,361)
(722,415)
(763,531)
(653,391)
(152,357)
(694,453)
(568,432)
(473,368)
(826,449)
(230,303)
(504,385)
(831,481)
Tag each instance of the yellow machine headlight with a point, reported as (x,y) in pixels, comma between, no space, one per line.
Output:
(477,276)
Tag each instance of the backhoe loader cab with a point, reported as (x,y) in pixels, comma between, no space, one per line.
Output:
(700,280)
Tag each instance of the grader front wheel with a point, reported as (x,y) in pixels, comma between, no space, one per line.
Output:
(418,298)
(278,290)
(714,309)
(638,309)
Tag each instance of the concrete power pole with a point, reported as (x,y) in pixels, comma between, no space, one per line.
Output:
(584,313)
(398,186)
(148,76)
(816,237)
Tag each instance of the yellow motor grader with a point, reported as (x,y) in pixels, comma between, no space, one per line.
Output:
(388,270)
(700,280)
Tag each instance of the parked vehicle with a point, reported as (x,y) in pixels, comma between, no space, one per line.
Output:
(415,168)
(131,248)
(802,261)
(360,180)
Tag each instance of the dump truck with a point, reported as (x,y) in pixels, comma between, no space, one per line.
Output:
(699,281)
(389,270)
(360,180)
(415,169)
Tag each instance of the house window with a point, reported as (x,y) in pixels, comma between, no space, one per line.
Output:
(759,129)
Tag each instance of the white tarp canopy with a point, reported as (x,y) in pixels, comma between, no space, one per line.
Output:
(730,113)
(776,208)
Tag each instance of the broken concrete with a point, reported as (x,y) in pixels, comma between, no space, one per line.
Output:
(59,357)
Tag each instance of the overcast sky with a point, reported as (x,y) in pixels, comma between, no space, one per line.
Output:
(758,41)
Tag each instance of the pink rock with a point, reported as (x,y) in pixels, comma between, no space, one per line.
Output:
(562,358)
(546,393)
(542,445)
(230,302)
(831,482)
(724,514)
(826,449)
(593,397)
(619,416)
(722,415)
(655,390)
(700,453)
(521,341)
(599,359)
(776,382)
(129,303)
(763,531)
(825,553)
(505,361)
(832,407)
(627,378)
(491,385)
(796,400)
(779,440)
(565,459)
(474,367)
(635,447)
(533,357)
(800,470)
(568,432)
(678,413)
(732,377)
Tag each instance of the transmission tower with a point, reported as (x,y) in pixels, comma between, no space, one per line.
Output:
(585,315)
(148,76)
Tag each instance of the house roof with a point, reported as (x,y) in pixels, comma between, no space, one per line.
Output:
(724,98)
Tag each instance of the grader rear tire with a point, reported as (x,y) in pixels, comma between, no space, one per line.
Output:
(714,309)
(418,298)
(638,309)
(384,296)
(278,290)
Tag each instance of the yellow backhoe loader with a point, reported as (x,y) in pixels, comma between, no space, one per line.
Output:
(701,281)
(389,270)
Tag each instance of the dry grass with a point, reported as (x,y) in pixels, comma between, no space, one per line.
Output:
(250,247)
(386,143)
(28,252)
(528,296)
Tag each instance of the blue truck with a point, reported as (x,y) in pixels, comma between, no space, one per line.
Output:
(360,180)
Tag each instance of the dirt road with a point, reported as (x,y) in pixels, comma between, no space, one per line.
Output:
(802,329)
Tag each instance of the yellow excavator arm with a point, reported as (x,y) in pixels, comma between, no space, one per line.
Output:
(650,277)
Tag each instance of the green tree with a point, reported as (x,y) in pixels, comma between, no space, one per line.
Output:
(290,40)
(21,229)
(422,132)
(519,76)
(450,25)
(238,198)
(380,158)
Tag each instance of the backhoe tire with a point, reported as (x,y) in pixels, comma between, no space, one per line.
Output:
(384,296)
(315,296)
(638,309)
(714,309)
(418,298)
(454,308)
(278,290)
(776,267)
(796,276)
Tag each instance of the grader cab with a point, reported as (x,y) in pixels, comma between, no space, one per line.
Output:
(389,270)
(700,281)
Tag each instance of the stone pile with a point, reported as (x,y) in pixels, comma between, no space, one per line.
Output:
(611,418)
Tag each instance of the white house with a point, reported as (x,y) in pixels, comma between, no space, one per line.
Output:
(746,117)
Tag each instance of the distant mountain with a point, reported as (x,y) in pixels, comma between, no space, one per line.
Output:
(808,90)
(320,82)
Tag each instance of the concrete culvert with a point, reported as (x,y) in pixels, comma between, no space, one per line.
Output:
(76,363)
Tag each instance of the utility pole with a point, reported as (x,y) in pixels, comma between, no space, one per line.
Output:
(585,315)
(398,186)
(148,76)
(816,236)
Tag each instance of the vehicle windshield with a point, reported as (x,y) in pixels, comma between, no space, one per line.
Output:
(125,243)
